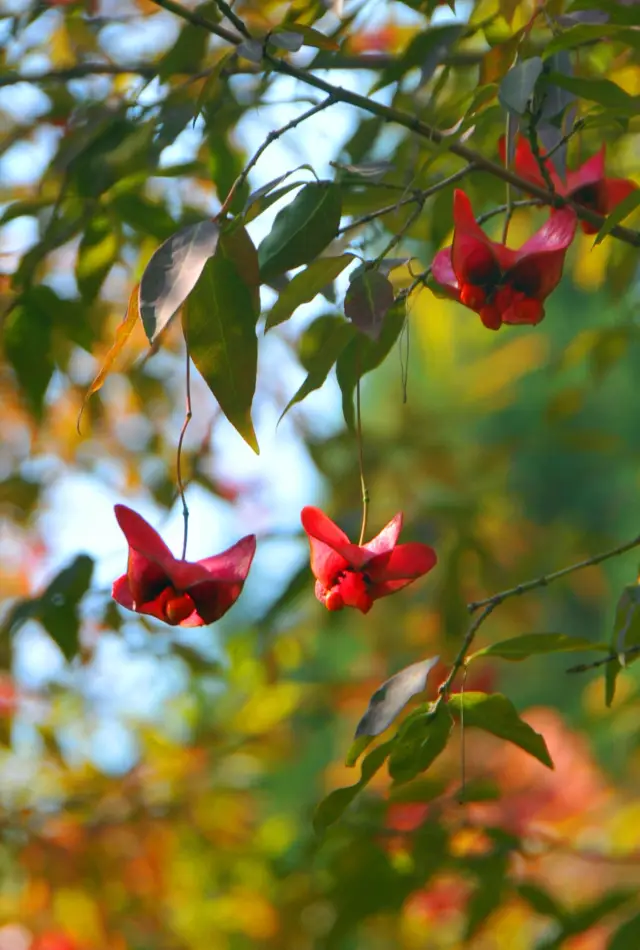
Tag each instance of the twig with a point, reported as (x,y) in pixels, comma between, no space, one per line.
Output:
(509,203)
(500,209)
(363,485)
(187,420)
(546,579)
(578,125)
(532,135)
(458,663)
(227,11)
(270,139)
(583,667)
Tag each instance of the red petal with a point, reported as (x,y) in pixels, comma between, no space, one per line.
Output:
(590,173)
(526,165)
(212,600)
(540,261)
(471,246)
(442,270)
(406,563)
(387,539)
(121,592)
(331,550)
(231,565)
(141,536)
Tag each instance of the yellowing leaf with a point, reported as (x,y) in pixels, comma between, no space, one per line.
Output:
(123,333)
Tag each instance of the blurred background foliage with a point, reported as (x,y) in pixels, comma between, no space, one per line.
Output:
(157,788)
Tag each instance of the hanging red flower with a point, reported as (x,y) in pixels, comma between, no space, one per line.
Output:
(353,575)
(500,284)
(181,593)
(587,186)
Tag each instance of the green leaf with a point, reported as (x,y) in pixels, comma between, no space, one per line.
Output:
(186,54)
(394,694)
(367,302)
(626,936)
(97,253)
(532,644)
(627,14)
(426,50)
(302,230)
(335,804)
(28,344)
(172,273)
(625,634)
(305,286)
(619,213)
(363,355)
(419,743)
(587,33)
(357,748)
(497,714)
(144,216)
(219,320)
(57,608)
(540,900)
(517,87)
(492,872)
(320,347)
(602,91)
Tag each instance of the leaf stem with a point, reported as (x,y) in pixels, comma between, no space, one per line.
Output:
(507,162)
(187,419)
(363,485)
(546,579)
(583,667)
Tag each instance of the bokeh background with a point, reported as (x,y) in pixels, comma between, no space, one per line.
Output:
(157,786)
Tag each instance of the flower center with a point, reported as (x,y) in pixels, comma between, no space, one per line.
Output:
(177,607)
(351,589)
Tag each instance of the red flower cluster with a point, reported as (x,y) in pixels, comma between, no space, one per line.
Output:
(353,575)
(498,283)
(587,186)
(181,593)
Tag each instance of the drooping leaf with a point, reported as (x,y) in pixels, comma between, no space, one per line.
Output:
(172,273)
(517,86)
(619,213)
(391,698)
(497,714)
(335,804)
(219,321)
(305,286)
(302,230)
(603,91)
(363,355)
(532,644)
(97,253)
(320,347)
(419,743)
(368,300)
(625,634)
(27,341)
(584,33)
(123,332)
(57,608)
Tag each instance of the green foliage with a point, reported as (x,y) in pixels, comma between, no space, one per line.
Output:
(497,714)
(302,229)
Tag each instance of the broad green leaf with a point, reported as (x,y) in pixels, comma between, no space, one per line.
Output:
(143,215)
(335,804)
(305,286)
(241,251)
(540,900)
(602,91)
(626,936)
(27,342)
(588,32)
(363,355)
(186,54)
(497,714)
(265,189)
(419,743)
(97,253)
(219,321)
(368,300)
(123,332)
(172,273)
(57,608)
(619,213)
(302,230)
(394,694)
(625,634)
(320,347)
(517,87)
(260,203)
(357,748)
(532,644)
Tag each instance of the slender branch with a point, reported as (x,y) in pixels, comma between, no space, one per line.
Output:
(507,162)
(363,485)
(541,162)
(458,663)
(583,667)
(546,579)
(187,419)
(501,209)
(410,122)
(270,139)
(227,11)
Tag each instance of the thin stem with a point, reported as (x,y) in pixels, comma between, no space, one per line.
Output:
(546,579)
(532,135)
(187,419)
(271,137)
(410,122)
(227,11)
(363,485)
(583,667)
(507,162)
(458,663)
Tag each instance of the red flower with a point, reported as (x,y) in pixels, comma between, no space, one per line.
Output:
(350,575)
(181,593)
(500,284)
(587,186)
